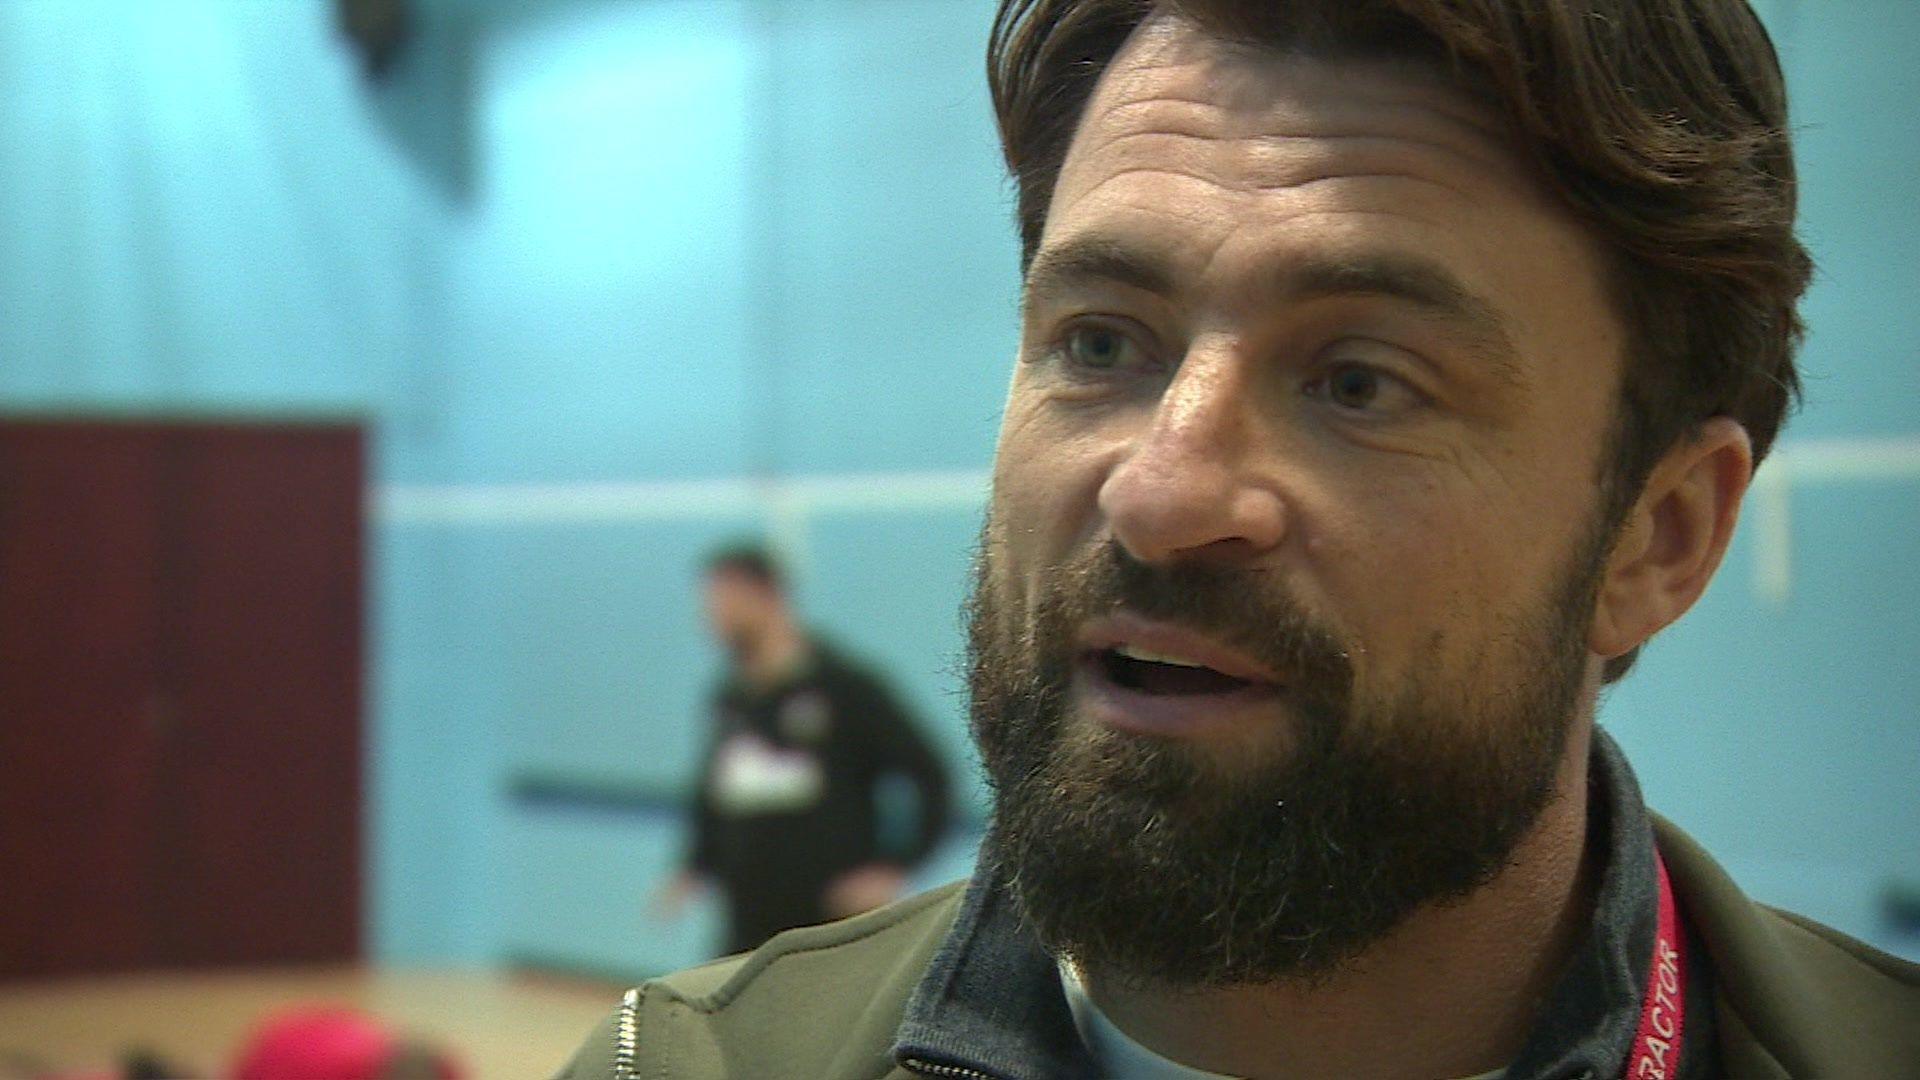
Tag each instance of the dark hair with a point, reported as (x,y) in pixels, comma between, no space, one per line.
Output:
(1660,124)
(749,559)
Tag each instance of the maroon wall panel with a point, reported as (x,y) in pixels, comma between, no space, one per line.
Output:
(180,681)
(265,648)
(79,716)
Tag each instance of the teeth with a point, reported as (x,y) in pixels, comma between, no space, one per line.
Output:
(1133,652)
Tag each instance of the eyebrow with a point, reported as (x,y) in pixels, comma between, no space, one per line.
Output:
(1409,279)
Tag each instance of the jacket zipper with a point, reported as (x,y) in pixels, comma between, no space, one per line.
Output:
(929,1068)
(626,1049)
(626,1038)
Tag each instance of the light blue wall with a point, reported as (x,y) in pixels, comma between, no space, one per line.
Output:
(894,282)
(1854,88)
(605,280)
(196,213)
(673,242)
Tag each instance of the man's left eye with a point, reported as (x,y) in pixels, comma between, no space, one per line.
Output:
(1102,348)
(1361,388)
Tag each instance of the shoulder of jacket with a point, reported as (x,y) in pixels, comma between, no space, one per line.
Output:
(820,1001)
(1904,973)
(920,920)
(1806,999)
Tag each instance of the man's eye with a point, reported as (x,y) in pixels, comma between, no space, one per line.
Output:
(1095,347)
(1353,387)
(1363,389)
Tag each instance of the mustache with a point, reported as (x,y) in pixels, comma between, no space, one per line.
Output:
(1243,608)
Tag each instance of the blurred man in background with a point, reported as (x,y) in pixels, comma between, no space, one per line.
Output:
(788,818)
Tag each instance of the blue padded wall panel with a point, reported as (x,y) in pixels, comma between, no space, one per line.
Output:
(578,888)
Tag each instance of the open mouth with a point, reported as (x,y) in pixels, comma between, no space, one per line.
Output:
(1160,679)
(1150,673)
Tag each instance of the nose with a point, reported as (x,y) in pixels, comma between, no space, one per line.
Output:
(1197,484)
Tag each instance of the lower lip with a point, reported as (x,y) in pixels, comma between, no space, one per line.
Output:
(1170,715)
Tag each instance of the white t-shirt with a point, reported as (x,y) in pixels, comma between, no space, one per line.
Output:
(1120,1058)
(1114,1050)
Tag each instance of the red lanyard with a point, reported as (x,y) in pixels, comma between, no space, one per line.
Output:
(1656,1046)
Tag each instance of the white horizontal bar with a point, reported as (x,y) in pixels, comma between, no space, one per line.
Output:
(1794,463)
(1807,463)
(509,504)
(1848,459)
(1770,522)
(892,491)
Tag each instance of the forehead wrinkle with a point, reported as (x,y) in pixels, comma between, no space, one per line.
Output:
(1398,203)
(1165,83)
(1176,114)
(1249,76)
(1374,159)
(1277,160)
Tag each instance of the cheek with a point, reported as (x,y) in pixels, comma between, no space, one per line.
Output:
(1046,487)
(1414,572)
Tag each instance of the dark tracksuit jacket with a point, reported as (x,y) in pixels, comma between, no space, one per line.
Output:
(950,985)
(786,799)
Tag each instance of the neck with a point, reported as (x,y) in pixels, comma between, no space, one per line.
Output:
(778,651)
(1453,991)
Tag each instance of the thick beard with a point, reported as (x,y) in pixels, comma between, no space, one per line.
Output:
(1153,862)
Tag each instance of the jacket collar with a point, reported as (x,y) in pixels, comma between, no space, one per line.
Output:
(991,1006)
(991,1003)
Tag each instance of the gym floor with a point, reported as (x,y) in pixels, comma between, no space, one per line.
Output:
(503,1026)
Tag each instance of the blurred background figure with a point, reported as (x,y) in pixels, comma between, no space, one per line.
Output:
(788,817)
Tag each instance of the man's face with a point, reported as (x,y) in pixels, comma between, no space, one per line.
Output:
(1283,601)
(739,608)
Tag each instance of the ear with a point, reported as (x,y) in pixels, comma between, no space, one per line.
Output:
(1672,540)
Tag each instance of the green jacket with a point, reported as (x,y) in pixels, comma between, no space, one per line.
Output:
(1793,998)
